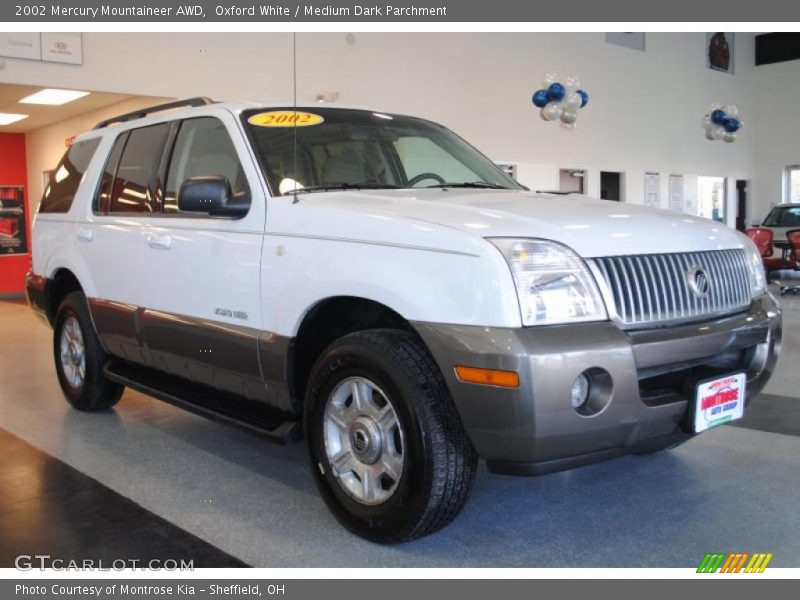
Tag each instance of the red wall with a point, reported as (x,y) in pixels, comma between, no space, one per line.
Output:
(14,171)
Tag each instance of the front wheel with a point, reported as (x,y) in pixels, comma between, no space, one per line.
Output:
(80,358)
(388,450)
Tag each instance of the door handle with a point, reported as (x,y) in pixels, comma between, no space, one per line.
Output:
(85,235)
(159,242)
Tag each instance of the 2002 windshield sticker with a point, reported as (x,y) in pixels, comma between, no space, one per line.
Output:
(285,118)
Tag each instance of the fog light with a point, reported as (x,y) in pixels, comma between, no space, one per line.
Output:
(580,391)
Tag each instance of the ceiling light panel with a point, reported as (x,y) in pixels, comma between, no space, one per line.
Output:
(53,97)
(9,118)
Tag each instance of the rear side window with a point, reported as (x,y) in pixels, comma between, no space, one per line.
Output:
(102,201)
(202,148)
(133,188)
(64,180)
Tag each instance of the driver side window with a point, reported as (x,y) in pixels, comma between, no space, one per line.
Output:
(202,148)
(421,155)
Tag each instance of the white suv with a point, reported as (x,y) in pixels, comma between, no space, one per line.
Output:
(374,282)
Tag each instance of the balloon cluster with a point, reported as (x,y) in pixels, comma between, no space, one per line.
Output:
(560,100)
(722,122)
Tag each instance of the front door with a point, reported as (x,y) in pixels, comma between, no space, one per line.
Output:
(202,319)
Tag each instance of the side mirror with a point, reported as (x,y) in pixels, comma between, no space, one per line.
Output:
(212,195)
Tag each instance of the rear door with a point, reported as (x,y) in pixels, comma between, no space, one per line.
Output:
(202,319)
(110,239)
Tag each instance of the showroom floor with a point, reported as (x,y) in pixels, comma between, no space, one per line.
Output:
(732,489)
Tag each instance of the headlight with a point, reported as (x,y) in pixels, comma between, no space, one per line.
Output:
(553,283)
(755,267)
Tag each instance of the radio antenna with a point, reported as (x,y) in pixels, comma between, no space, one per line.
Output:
(294,100)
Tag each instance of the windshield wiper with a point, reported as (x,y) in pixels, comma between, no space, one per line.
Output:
(470,184)
(364,185)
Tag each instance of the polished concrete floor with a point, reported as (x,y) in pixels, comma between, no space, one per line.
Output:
(731,489)
(50,508)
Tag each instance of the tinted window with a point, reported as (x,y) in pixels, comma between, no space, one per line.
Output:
(336,148)
(66,177)
(788,216)
(132,190)
(202,148)
(102,201)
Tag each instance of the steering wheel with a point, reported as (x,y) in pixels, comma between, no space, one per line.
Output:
(423,176)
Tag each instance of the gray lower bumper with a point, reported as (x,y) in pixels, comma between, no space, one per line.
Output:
(534,429)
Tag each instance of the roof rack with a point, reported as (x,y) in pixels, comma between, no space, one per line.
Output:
(558,192)
(140,114)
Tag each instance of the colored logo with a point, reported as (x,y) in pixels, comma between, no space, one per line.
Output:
(737,562)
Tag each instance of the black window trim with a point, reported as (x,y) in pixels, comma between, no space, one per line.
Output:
(166,163)
(150,184)
(99,185)
(158,178)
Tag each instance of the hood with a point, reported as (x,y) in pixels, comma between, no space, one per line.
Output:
(589,226)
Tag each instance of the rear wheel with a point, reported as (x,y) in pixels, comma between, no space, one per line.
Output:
(79,357)
(388,451)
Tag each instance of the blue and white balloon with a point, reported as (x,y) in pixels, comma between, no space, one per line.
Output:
(552,111)
(540,98)
(722,122)
(560,99)
(556,91)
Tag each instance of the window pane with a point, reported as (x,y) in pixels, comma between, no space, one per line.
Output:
(132,191)
(363,148)
(67,176)
(794,185)
(202,148)
(420,155)
(102,201)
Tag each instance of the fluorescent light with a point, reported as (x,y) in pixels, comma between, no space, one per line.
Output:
(53,97)
(9,118)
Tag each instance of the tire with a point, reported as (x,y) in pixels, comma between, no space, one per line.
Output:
(72,329)
(438,462)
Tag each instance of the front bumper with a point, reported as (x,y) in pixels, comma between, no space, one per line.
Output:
(533,429)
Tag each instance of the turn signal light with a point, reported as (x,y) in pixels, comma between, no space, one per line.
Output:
(507,379)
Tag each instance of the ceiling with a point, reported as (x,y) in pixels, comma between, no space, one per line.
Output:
(42,115)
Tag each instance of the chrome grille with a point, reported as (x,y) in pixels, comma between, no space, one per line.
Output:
(654,288)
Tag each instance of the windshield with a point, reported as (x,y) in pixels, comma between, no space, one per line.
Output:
(357,149)
(783,216)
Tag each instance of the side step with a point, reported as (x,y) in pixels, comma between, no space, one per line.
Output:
(229,409)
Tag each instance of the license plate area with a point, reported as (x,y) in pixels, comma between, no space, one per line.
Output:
(719,401)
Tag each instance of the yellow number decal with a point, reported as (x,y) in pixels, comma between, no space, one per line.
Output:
(285,118)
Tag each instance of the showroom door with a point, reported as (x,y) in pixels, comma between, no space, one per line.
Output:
(203,316)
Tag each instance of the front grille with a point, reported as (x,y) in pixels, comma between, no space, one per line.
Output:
(654,288)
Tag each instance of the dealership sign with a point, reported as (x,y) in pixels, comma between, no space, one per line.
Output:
(49,47)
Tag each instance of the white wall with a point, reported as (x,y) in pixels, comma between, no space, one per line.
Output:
(777,131)
(644,113)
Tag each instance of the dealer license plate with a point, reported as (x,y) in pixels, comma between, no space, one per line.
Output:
(719,401)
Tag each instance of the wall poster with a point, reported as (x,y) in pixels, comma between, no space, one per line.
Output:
(13,230)
(676,202)
(652,189)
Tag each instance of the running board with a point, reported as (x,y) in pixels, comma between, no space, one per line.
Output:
(228,409)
